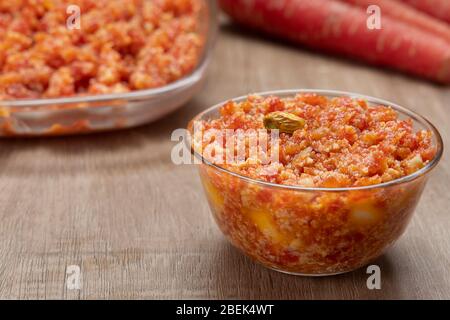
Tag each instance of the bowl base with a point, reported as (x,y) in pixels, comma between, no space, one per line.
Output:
(309,274)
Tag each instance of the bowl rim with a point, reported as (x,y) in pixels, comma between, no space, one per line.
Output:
(331,93)
(154,93)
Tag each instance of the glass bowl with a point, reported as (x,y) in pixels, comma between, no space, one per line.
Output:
(313,231)
(84,114)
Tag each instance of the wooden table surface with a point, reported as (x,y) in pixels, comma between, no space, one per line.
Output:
(139,227)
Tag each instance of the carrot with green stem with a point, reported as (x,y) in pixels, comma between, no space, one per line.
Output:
(407,14)
(337,27)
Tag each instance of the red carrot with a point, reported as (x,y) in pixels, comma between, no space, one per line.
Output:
(404,13)
(437,8)
(341,28)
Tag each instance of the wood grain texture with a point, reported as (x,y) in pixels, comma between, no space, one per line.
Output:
(139,226)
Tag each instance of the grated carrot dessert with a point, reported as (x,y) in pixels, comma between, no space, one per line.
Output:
(324,143)
(121,46)
(342,143)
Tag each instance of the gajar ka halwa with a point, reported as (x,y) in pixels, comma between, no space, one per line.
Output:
(327,208)
(121,46)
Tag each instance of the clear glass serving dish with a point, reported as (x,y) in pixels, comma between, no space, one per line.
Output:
(85,114)
(313,231)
